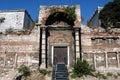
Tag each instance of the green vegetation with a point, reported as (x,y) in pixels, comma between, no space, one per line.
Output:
(43,71)
(69,11)
(109,74)
(73,75)
(24,70)
(100,76)
(110,15)
(82,68)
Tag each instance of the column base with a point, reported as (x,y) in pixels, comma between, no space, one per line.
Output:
(43,66)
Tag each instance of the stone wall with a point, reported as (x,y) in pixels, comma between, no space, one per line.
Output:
(16,19)
(16,50)
(12,20)
(101,49)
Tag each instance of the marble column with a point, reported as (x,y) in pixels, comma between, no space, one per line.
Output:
(43,64)
(77,45)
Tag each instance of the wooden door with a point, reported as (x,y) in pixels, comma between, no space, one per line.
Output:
(60,54)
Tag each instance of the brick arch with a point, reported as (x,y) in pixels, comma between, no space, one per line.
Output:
(59,18)
(50,18)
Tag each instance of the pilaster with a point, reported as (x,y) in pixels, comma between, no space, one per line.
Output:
(118,59)
(94,59)
(43,65)
(15,62)
(77,44)
(106,60)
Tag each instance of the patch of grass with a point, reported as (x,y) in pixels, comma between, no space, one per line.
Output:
(73,75)
(109,74)
(43,71)
(24,70)
(104,77)
(100,76)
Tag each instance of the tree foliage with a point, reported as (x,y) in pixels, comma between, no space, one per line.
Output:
(110,15)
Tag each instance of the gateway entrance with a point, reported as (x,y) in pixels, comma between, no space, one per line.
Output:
(60,55)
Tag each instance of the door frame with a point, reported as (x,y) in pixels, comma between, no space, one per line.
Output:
(64,45)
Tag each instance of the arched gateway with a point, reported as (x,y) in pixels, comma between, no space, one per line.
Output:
(59,35)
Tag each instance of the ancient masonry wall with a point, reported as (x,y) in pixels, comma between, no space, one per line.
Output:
(101,49)
(18,49)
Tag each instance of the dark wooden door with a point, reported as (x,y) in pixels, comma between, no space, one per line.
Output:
(60,54)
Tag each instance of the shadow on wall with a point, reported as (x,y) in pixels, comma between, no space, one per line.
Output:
(59,18)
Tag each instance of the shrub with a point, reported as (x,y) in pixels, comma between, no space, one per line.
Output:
(24,70)
(109,74)
(73,75)
(104,77)
(82,68)
(43,71)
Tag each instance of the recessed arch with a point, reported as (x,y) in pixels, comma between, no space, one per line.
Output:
(59,18)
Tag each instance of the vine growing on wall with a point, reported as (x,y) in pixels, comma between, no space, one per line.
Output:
(70,11)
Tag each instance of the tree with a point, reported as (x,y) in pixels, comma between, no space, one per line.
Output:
(110,15)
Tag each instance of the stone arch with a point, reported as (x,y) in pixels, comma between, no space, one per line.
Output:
(58,18)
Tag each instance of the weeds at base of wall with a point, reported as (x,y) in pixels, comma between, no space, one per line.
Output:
(24,70)
(80,68)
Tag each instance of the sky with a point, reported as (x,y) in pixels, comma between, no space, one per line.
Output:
(87,7)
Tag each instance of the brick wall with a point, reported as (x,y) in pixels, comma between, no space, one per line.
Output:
(16,50)
(101,49)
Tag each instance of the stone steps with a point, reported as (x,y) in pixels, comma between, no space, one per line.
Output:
(60,72)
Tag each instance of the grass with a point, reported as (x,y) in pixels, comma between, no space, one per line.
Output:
(109,74)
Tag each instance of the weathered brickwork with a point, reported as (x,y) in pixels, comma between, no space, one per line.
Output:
(16,50)
(36,48)
(101,48)
(46,11)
